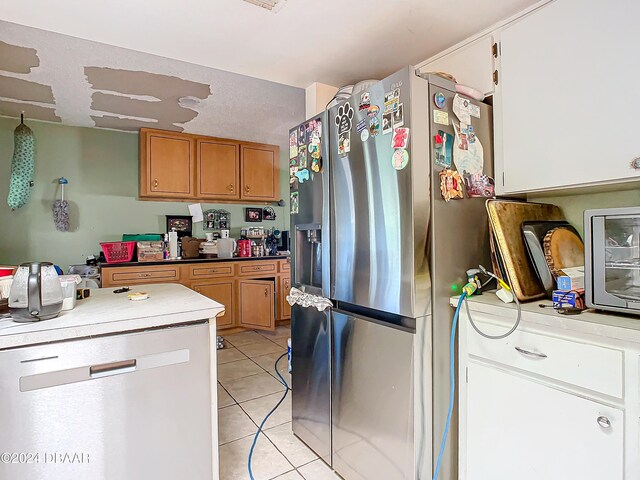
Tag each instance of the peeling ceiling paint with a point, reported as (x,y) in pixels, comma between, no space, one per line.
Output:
(14,109)
(161,107)
(17,59)
(84,83)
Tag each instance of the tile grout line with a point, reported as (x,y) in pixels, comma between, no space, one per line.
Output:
(269,440)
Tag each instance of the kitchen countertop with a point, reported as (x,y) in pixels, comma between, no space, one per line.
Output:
(106,313)
(193,260)
(611,325)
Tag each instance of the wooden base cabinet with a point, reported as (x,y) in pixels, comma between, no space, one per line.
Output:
(253,292)
(284,309)
(256,304)
(222,291)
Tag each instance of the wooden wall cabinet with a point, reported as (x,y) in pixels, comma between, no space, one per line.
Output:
(240,286)
(168,167)
(260,172)
(179,166)
(218,169)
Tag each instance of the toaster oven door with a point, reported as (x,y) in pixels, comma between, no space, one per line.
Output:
(616,261)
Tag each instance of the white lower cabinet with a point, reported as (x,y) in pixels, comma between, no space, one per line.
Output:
(559,399)
(520,429)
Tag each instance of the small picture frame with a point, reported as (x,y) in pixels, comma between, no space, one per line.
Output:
(268,213)
(183,224)
(253,214)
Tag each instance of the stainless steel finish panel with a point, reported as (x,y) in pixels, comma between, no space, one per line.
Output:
(378,217)
(313,197)
(597,291)
(311,378)
(372,392)
(154,422)
(459,240)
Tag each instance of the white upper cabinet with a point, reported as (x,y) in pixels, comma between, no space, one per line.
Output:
(470,64)
(567,100)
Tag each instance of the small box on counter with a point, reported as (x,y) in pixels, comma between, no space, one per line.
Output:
(150,251)
(563,299)
(571,279)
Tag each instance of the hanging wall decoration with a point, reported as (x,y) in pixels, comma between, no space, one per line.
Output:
(61,209)
(216,220)
(22,166)
(268,213)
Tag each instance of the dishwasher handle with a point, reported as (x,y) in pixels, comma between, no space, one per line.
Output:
(113,368)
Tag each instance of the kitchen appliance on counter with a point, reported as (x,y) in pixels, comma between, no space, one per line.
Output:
(89,275)
(386,229)
(36,293)
(612,259)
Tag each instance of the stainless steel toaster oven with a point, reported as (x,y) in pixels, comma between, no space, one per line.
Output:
(612,259)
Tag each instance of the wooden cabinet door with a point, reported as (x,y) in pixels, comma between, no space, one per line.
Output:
(218,170)
(520,428)
(167,165)
(222,292)
(563,118)
(256,304)
(283,305)
(260,172)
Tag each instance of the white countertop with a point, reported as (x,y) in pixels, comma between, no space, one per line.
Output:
(621,327)
(105,312)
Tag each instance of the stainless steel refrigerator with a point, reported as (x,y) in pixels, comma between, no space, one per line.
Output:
(310,328)
(396,251)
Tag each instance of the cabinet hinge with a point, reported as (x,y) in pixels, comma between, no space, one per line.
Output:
(503,179)
(466,374)
(495,49)
(495,77)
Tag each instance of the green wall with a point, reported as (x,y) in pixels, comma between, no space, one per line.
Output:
(574,204)
(102,169)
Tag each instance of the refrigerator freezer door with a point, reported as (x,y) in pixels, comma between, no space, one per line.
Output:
(309,257)
(311,384)
(378,249)
(372,392)
(131,406)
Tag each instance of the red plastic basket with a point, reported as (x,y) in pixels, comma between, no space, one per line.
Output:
(118,252)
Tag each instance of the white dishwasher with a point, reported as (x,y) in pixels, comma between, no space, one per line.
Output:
(123,407)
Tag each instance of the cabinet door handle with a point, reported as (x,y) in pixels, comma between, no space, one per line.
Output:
(155,183)
(527,353)
(247,189)
(604,422)
(145,274)
(230,187)
(266,292)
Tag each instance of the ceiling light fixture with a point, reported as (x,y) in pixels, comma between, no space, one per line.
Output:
(272,5)
(189,101)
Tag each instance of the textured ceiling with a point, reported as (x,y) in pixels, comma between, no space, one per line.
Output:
(329,41)
(58,78)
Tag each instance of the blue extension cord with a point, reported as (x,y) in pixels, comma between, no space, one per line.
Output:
(255,439)
(452,380)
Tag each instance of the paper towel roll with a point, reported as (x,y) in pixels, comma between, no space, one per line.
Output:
(173,244)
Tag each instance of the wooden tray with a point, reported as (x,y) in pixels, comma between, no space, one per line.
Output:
(506,217)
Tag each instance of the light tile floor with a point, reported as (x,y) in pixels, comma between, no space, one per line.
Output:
(247,390)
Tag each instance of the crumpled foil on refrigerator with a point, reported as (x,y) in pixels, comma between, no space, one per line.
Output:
(298,297)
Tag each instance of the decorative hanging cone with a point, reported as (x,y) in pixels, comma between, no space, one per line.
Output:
(22,167)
